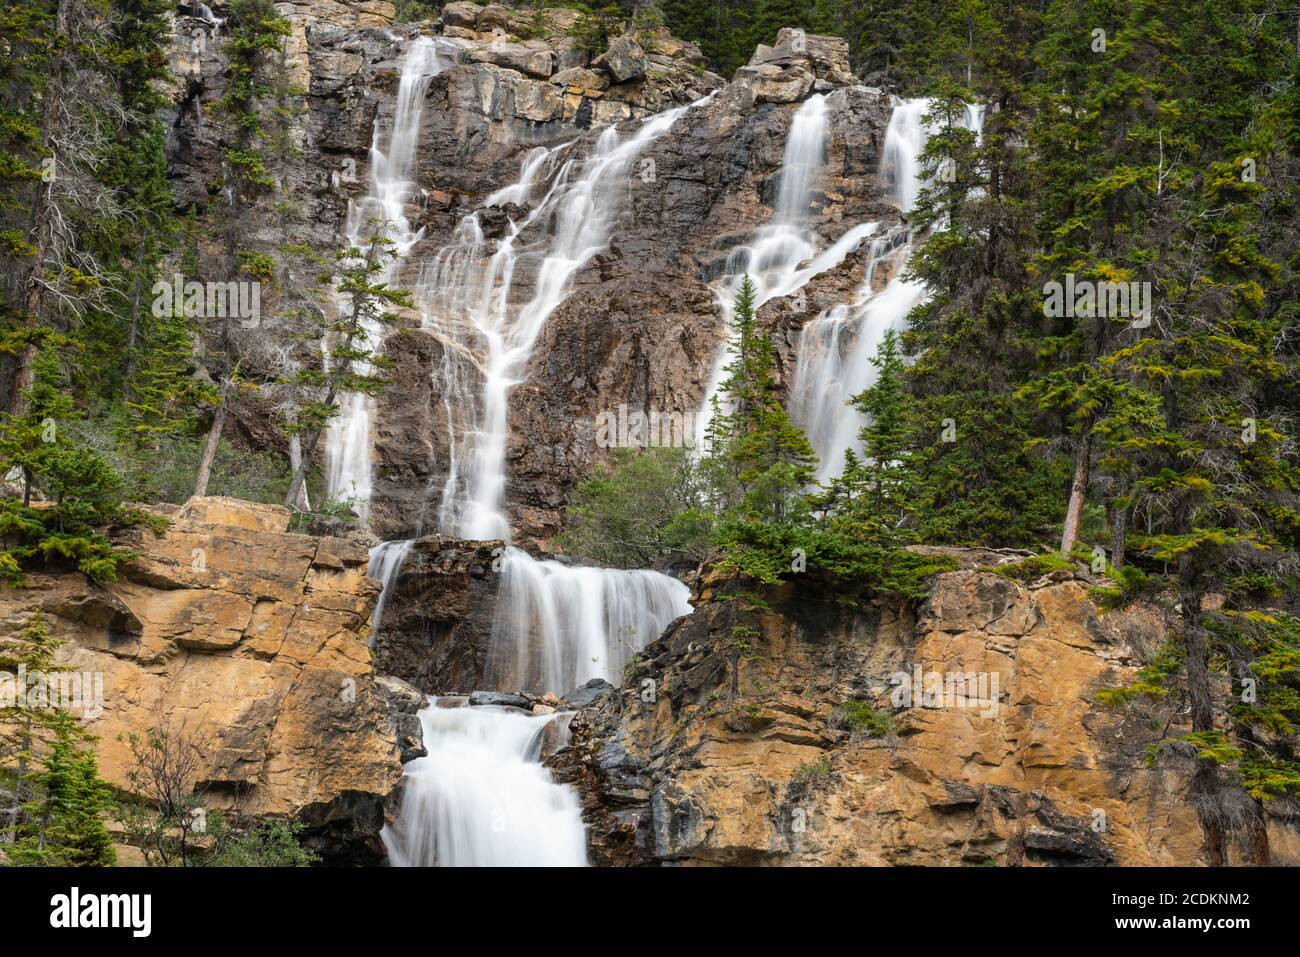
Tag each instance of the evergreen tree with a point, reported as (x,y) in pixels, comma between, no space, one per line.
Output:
(83,492)
(56,800)
(764,460)
(353,364)
(874,490)
(64,825)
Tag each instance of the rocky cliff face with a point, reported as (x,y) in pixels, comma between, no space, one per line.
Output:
(723,749)
(437,621)
(230,629)
(641,327)
(745,735)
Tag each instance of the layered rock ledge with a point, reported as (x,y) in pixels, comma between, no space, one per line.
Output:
(728,743)
(252,640)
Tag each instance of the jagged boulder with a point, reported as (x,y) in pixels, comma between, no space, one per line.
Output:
(529,59)
(826,57)
(776,84)
(405,702)
(581,81)
(460,14)
(624,60)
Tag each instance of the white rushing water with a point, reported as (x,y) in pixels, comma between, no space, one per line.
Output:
(481,797)
(382,209)
(467,297)
(556,625)
(559,625)
(835,349)
(783,255)
(386,560)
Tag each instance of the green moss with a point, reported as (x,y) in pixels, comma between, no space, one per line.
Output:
(1027,569)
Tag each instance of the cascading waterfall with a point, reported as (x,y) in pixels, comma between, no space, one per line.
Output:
(783,255)
(481,797)
(383,210)
(588,621)
(556,625)
(386,560)
(466,299)
(835,348)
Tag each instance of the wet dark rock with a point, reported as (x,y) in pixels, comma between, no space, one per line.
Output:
(404,703)
(437,623)
(584,695)
(502,699)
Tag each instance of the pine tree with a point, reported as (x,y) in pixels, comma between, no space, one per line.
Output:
(353,363)
(64,824)
(29,651)
(765,458)
(83,491)
(874,490)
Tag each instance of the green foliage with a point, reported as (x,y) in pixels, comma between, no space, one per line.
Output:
(162,469)
(167,820)
(350,361)
(1153,680)
(263,844)
(727,32)
(874,493)
(812,771)
(751,498)
(861,720)
(49,780)
(1130,583)
(409,11)
(1035,566)
(642,509)
(760,462)
(82,493)
(64,825)
(596,25)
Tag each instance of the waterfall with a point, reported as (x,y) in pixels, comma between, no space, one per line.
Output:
(467,302)
(555,625)
(481,796)
(836,347)
(559,625)
(383,209)
(783,255)
(386,560)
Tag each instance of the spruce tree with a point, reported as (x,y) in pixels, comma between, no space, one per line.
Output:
(353,363)
(762,455)
(875,488)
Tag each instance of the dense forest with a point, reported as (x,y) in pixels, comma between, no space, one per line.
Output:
(1150,147)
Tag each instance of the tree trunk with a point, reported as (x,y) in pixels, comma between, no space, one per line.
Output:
(307,454)
(1206,787)
(299,501)
(1257,836)
(133,331)
(210,450)
(1078,491)
(1118,529)
(42,215)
